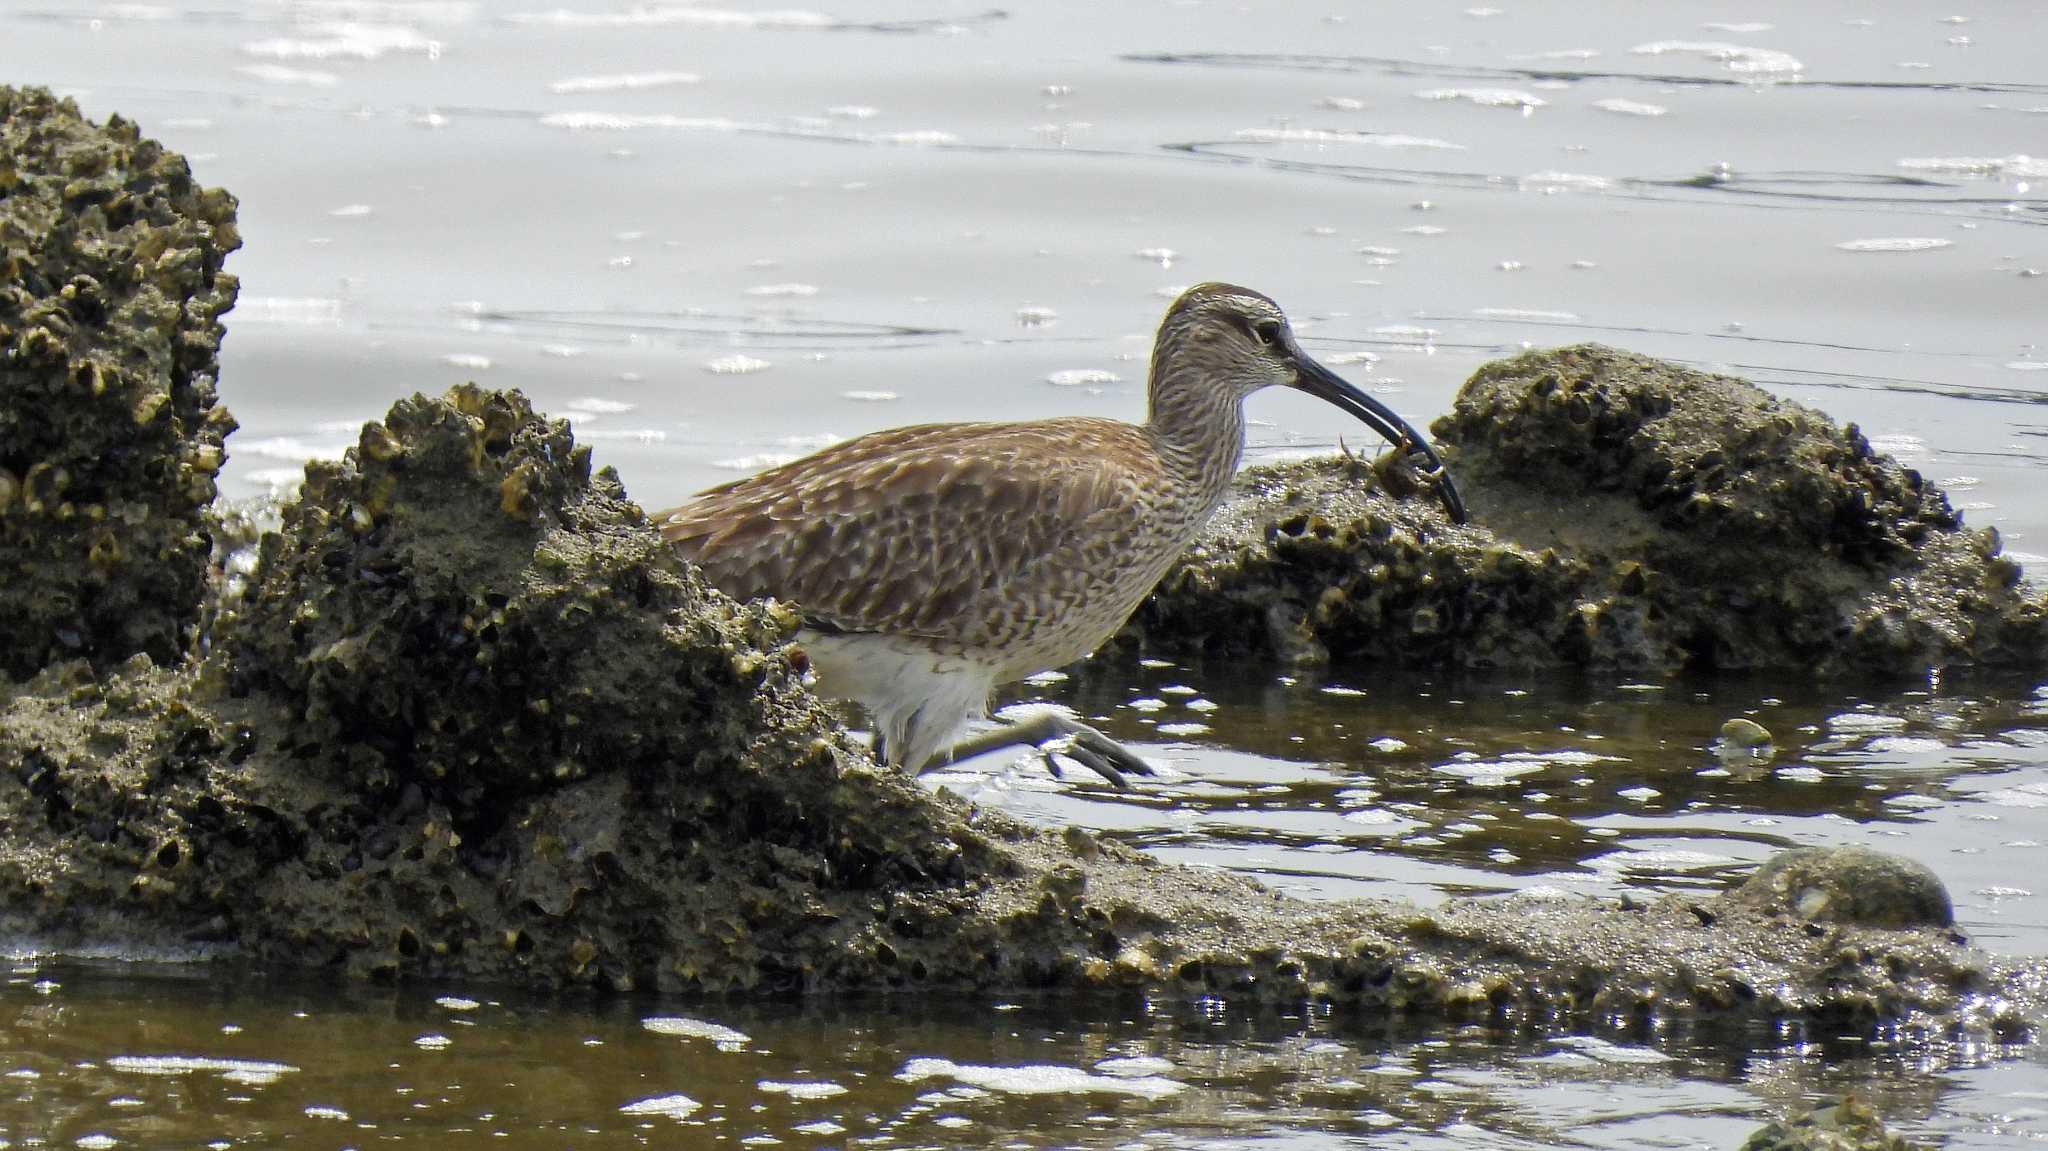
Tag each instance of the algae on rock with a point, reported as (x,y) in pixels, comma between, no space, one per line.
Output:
(111,292)
(1629,516)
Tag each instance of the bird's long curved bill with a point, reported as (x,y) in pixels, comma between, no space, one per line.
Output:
(1321,382)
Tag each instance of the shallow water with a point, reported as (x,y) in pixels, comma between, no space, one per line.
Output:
(95,1058)
(715,238)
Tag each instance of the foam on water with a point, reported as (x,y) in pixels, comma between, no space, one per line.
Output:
(1487,97)
(663,1106)
(345,41)
(1341,136)
(1596,1048)
(1895,244)
(811,1089)
(1864,723)
(1565,181)
(1979,167)
(1763,63)
(684,1027)
(622,82)
(626,122)
(1629,107)
(249,1072)
(736,365)
(1660,860)
(1039,1079)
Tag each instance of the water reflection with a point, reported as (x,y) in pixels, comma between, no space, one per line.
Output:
(94,1056)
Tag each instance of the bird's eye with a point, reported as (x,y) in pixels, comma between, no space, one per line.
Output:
(1267,333)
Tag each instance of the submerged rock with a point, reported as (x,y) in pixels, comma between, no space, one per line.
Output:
(111,292)
(1847,1126)
(1628,515)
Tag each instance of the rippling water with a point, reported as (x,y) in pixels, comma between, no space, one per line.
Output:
(716,238)
(93,1058)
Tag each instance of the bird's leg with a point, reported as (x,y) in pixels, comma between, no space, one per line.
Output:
(1085,745)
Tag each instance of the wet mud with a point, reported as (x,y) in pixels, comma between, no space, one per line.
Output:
(1629,516)
(469,719)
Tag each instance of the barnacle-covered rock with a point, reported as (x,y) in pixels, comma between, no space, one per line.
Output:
(1849,885)
(540,741)
(1629,515)
(459,605)
(111,292)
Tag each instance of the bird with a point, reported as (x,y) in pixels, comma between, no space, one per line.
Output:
(930,564)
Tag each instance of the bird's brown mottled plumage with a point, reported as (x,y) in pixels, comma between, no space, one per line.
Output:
(1058,497)
(933,562)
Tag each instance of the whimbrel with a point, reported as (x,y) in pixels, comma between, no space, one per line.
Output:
(932,563)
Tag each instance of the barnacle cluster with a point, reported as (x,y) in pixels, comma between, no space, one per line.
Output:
(111,292)
(1629,515)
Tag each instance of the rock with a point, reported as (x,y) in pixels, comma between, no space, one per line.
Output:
(460,606)
(1745,733)
(1629,516)
(111,292)
(1848,885)
(1848,1126)
(516,733)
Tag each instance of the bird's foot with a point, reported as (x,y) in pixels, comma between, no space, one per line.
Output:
(1058,735)
(1096,752)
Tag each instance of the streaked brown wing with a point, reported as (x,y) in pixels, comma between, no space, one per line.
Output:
(916,530)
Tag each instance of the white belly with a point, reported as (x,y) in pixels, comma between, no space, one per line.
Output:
(918,698)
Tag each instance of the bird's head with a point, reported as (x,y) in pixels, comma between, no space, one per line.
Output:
(1221,343)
